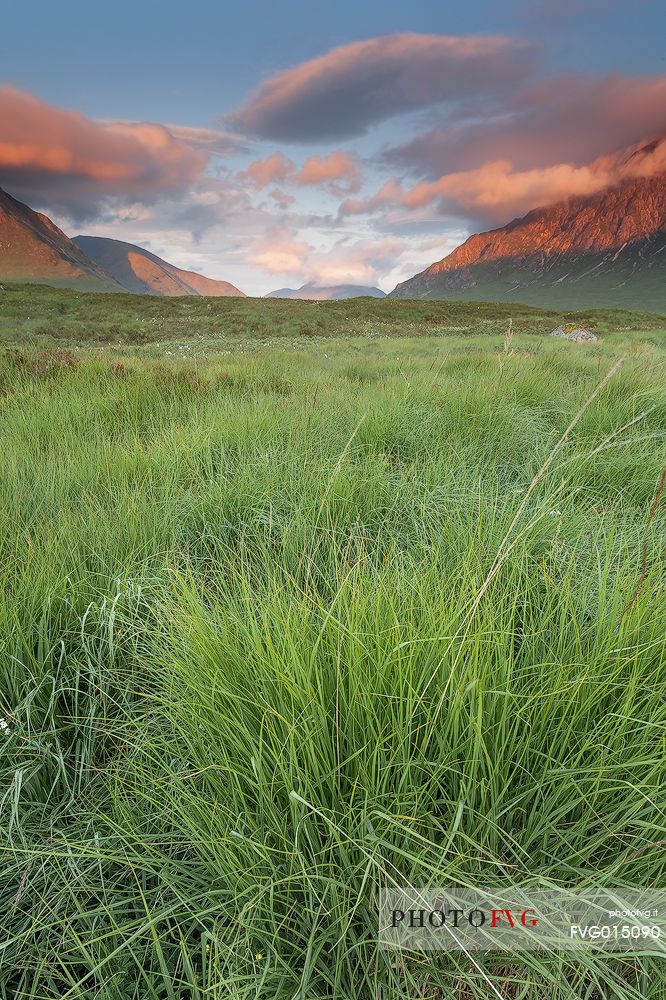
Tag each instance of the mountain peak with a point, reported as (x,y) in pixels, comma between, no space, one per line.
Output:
(311,290)
(33,248)
(139,270)
(605,249)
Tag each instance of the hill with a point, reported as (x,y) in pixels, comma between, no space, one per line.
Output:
(33,249)
(321,292)
(138,270)
(607,250)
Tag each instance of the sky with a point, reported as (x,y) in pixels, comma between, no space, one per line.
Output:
(273,144)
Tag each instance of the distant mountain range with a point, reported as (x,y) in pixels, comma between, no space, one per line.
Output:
(607,250)
(32,248)
(313,291)
(138,270)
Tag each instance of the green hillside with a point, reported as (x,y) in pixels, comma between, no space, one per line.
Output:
(631,280)
(40,314)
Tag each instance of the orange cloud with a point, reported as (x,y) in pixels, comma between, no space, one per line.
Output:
(276,168)
(343,92)
(496,191)
(339,169)
(340,172)
(53,154)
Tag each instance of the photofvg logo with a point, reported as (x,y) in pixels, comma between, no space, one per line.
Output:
(516,920)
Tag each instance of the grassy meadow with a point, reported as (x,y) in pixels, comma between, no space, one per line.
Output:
(302,600)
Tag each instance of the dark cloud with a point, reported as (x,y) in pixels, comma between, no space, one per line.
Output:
(344,92)
(571,119)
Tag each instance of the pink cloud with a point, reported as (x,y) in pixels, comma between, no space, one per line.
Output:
(340,172)
(496,191)
(60,156)
(276,168)
(282,199)
(350,88)
(363,262)
(279,252)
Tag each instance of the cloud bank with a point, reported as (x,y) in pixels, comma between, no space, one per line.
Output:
(566,119)
(496,189)
(46,151)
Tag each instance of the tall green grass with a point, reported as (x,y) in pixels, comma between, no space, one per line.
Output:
(256,663)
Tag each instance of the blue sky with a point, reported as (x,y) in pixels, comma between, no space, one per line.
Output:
(563,84)
(193,61)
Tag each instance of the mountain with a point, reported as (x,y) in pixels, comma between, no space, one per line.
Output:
(606,250)
(32,248)
(138,270)
(313,291)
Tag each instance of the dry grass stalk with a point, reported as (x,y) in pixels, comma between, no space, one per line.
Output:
(508,337)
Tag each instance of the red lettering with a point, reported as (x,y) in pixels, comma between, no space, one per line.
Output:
(524,921)
(497,917)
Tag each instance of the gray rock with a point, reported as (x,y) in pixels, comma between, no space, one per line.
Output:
(575,333)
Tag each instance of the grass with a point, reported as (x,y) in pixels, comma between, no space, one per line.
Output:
(289,617)
(33,314)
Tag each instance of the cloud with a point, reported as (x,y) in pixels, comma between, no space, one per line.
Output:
(61,158)
(568,119)
(280,252)
(496,191)
(275,168)
(360,262)
(390,193)
(339,172)
(212,141)
(491,138)
(344,92)
(282,199)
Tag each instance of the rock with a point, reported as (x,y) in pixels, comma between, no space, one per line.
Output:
(575,333)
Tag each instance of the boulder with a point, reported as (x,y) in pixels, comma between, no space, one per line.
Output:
(575,333)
